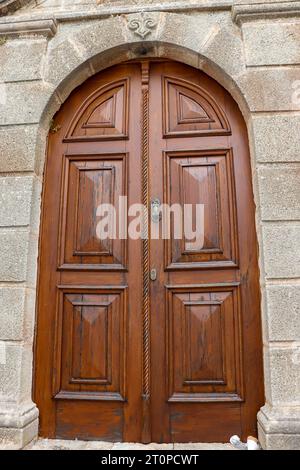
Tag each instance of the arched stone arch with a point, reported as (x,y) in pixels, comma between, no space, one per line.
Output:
(79,51)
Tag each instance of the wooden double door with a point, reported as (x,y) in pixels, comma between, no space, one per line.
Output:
(142,339)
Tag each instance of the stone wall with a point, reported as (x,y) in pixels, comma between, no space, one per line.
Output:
(47,48)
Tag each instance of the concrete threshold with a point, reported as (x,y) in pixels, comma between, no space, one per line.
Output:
(59,444)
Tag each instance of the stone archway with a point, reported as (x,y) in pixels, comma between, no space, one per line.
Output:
(101,61)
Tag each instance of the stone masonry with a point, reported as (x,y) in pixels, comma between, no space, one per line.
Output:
(252,48)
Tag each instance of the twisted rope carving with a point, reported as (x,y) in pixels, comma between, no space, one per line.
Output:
(146,281)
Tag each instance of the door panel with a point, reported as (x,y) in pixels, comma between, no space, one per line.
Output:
(189,110)
(202,177)
(91,344)
(103,115)
(89,181)
(86,338)
(203,305)
(119,356)
(203,329)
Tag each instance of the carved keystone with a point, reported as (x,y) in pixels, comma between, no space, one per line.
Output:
(142,25)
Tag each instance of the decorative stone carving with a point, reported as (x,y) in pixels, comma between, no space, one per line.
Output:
(142,25)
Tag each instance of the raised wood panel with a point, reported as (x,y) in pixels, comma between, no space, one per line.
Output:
(189,110)
(223,418)
(89,181)
(90,344)
(95,186)
(91,340)
(103,115)
(202,177)
(96,421)
(204,344)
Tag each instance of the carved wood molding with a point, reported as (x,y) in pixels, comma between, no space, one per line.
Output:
(146,253)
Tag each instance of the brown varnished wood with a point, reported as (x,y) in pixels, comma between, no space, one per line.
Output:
(119,357)
(205,303)
(83,287)
(85,172)
(146,312)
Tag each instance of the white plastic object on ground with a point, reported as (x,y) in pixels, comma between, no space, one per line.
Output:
(252,443)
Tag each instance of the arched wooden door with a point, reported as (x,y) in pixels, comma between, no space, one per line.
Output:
(148,339)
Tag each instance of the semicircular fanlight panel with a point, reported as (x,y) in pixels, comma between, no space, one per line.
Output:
(103,115)
(189,110)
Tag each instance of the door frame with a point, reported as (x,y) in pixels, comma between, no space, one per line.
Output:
(145,438)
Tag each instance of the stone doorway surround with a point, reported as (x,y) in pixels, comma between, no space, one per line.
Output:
(49,47)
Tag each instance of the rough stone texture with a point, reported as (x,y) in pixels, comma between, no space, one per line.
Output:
(13,255)
(25,387)
(31,268)
(10,6)
(22,60)
(284,363)
(25,102)
(17,414)
(279,419)
(279,188)
(18,359)
(272,43)
(283,312)
(281,250)
(12,304)
(138,446)
(17,148)
(277,137)
(15,200)
(211,29)
(62,58)
(169,50)
(58,444)
(15,439)
(75,46)
(279,427)
(270,89)
(226,49)
(280,441)
(196,446)
(35,205)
